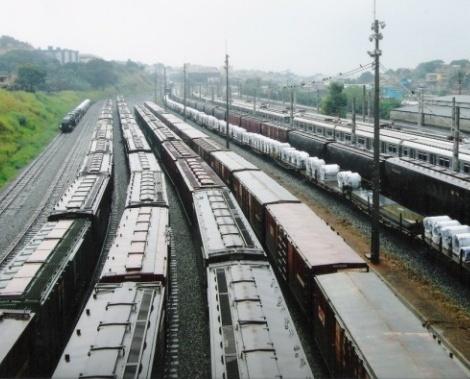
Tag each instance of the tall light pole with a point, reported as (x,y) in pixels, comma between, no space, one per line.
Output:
(164,86)
(184,91)
(376,36)
(227,102)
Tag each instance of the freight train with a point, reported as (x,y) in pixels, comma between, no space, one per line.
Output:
(251,331)
(72,118)
(121,331)
(404,159)
(346,305)
(42,286)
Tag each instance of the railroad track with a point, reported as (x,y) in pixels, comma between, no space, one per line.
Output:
(29,174)
(50,197)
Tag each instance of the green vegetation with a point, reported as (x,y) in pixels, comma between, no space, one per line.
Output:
(335,102)
(27,123)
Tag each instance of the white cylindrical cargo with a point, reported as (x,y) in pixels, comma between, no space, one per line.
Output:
(437,229)
(448,232)
(428,223)
(459,241)
(328,172)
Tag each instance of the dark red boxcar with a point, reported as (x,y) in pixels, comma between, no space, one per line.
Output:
(226,163)
(251,124)
(277,132)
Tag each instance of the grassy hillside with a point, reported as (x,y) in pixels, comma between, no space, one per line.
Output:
(28,121)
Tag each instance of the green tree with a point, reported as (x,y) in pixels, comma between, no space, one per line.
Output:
(99,73)
(335,102)
(30,77)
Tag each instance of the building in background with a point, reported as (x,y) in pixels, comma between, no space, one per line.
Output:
(62,55)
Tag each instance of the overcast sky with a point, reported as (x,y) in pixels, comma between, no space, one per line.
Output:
(304,36)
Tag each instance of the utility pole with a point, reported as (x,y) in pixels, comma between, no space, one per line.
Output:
(227,103)
(363,103)
(292,107)
(164,85)
(353,131)
(155,86)
(318,100)
(452,120)
(254,99)
(375,235)
(455,160)
(369,106)
(421,107)
(184,91)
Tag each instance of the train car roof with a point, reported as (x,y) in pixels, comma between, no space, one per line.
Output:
(442,174)
(197,174)
(252,333)
(233,161)
(179,150)
(100,146)
(135,140)
(82,198)
(13,323)
(390,338)
(140,249)
(208,144)
(147,188)
(315,241)
(103,131)
(153,106)
(117,334)
(223,227)
(143,161)
(35,267)
(165,134)
(264,188)
(97,163)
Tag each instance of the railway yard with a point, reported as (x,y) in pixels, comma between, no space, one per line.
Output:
(151,250)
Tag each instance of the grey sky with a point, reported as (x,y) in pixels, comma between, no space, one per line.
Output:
(305,36)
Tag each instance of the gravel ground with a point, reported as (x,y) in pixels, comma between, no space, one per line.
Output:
(21,210)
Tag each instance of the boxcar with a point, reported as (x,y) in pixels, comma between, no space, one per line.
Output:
(140,250)
(314,145)
(205,146)
(48,277)
(147,188)
(171,152)
(253,191)
(301,246)
(429,189)
(226,163)
(252,334)
(363,330)
(193,174)
(120,334)
(224,232)
(251,124)
(277,132)
(235,118)
(142,162)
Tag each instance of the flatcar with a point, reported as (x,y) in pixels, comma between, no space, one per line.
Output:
(100,146)
(120,334)
(134,141)
(40,294)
